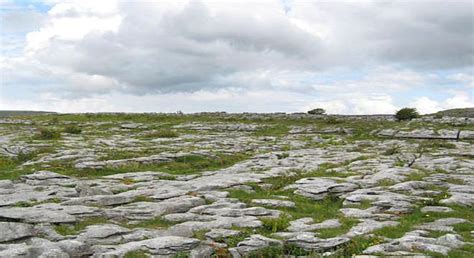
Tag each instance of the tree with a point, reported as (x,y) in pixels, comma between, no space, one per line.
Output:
(317,111)
(406,114)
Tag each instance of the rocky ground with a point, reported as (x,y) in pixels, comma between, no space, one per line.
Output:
(235,185)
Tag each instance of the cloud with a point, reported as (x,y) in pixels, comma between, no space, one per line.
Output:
(459,99)
(321,51)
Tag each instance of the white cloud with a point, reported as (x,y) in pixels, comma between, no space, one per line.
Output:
(279,55)
(425,105)
(459,99)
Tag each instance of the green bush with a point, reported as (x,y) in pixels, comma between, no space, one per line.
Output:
(406,114)
(47,134)
(72,129)
(317,111)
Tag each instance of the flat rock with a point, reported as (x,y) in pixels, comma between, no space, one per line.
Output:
(307,224)
(313,243)
(273,203)
(439,209)
(35,215)
(166,245)
(369,225)
(13,231)
(253,243)
(219,233)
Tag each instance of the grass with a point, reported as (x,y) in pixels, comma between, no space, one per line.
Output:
(436,144)
(355,246)
(47,134)
(72,129)
(327,208)
(416,176)
(155,223)
(392,150)
(407,222)
(346,225)
(142,198)
(8,165)
(186,165)
(276,224)
(66,229)
(35,202)
(164,133)
(136,254)
(200,234)
(455,181)
(385,182)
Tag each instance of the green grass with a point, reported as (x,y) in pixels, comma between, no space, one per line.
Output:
(327,208)
(407,222)
(385,182)
(200,234)
(161,134)
(136,254)
(358,244)
(353,247)
(155,223)
(72,129)
(435,145)
(392,150)
(8,165)
(455,181)
(276,224)
(66,229)
(142,198)
(47,134)
(416,176)
(35,202)
(346,225)
(181,166)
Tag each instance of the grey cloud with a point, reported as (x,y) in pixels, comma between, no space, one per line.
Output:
(185,52)
(196,48)
(417,34)
(20,21)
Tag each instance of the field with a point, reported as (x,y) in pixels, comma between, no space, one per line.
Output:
(236,185)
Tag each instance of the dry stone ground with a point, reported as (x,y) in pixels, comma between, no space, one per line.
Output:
(235,185)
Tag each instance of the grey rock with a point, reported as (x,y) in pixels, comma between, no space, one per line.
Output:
(369,225)
(253,243)
(313,243)
(273,203)
(306,224)
(414,241)
(219,233)
(47,178)
(165,245)
(35,215)
(440,209)
(102,200)
(102,234)
(149,210)
(12,231)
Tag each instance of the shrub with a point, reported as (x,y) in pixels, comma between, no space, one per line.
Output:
(47,134)
(72,129)
(317,111)
(406,114)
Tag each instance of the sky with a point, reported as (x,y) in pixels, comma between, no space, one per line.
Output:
(348,57)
